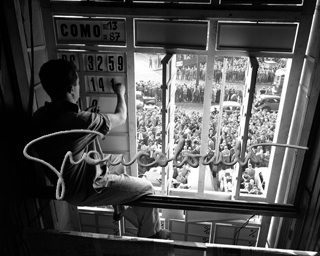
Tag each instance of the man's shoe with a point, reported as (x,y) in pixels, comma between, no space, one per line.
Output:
(162,234)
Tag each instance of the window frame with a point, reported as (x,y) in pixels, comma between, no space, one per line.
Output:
(298,56)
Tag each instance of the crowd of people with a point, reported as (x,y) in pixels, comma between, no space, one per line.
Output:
(188,127)
(195,93)
(191,92)
(235,70)
(188,89)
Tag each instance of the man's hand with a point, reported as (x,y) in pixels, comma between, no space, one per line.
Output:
(120,113)
(119,89)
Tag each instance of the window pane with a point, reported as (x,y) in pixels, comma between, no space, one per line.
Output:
(262,124)
(227,100)
(224,118)
(189,98)
(148,76)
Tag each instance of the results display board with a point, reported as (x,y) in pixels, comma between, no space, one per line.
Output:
(98,68)
(99,71)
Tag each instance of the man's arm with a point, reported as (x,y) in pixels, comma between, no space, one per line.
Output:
(120,113)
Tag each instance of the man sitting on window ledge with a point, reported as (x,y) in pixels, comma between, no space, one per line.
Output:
(84,184)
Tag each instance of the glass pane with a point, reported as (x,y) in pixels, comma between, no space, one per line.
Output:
(148,75)
(189,96)
(227,98)
(227,101)
(226,127)
(189,99)
(262,124)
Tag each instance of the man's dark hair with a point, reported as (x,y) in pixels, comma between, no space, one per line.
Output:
(58,77)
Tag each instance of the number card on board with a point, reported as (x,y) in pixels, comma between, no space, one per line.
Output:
(113,80)
(102,84)
(120,63)
(90,62)
(74,57)
(109,62)
(101,63)
(91,84)
(116,62)
(94,105)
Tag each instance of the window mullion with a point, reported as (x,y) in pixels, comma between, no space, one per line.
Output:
(207,103)
(248,96)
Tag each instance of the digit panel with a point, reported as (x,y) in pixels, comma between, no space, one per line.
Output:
(101,62)
(90,83)
(116,62)
(113,80)
(101,83)
(104,62)
(114,31)
(89,61)
(121,62)
(104,85)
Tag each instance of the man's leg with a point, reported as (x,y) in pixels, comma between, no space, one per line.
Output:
(145,219)
(121,189)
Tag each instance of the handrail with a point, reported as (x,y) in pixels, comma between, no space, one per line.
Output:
(210,205)
(191,204)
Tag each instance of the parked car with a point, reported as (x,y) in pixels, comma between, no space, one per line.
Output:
(149,106)
(149,100)
(228,107)
(146,100)
(267,102)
